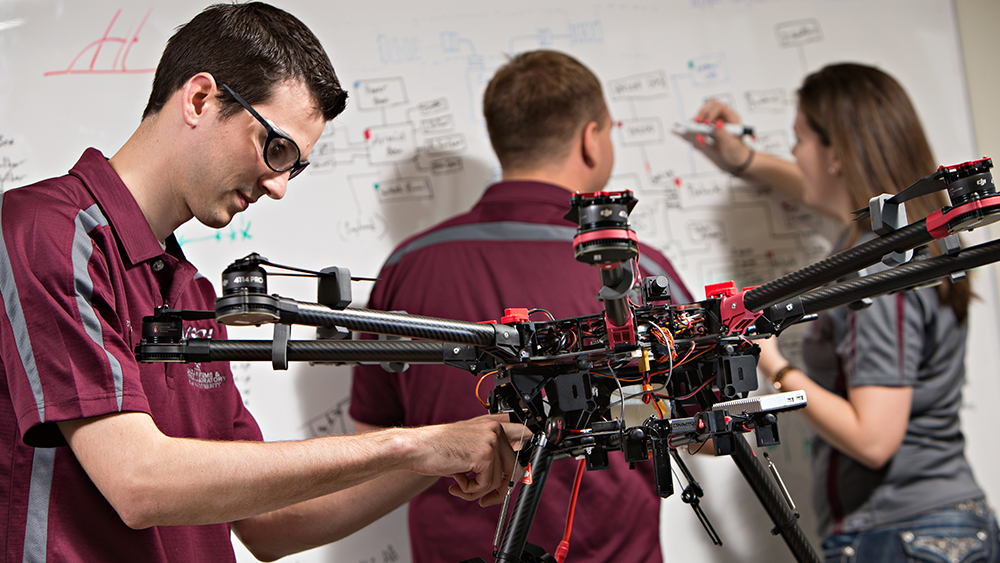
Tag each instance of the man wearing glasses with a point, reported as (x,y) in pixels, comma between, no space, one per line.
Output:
(107,459)
(280,152)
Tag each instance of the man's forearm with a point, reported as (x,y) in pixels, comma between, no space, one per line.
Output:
(329,518)
(152,479)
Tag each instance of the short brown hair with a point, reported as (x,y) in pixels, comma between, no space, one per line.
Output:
(536,103)
(866,116)
(251,48)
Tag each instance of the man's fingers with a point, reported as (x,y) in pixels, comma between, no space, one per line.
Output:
(469,489)
(460,488)
(516,433)
(492,497)
(457,491)
(488,473)
(492,479)
(507,457)
(497,494)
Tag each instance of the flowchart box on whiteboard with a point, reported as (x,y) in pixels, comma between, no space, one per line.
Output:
(448,143)
(641,131)
(709,69)
(646,85)
(390,143)
(379,93)
(798,33)
(404,188)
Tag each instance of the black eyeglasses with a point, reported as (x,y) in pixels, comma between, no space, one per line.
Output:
(281,154)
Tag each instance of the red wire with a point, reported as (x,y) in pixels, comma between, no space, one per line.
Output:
(695,392)
(564,545)
(658,409)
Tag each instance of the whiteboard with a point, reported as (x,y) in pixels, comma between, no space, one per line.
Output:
(411,150)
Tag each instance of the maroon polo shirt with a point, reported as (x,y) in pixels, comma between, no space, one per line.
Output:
(513,249)
(79,268)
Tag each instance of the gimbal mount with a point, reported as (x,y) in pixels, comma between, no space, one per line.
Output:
(565,379)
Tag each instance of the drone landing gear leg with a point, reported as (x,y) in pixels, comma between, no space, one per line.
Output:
(526,504)
(785,521)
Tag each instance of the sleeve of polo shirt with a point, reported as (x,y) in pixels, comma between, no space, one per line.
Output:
(883,344)
(64,352)
(374,399)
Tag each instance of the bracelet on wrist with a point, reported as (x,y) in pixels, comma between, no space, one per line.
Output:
(746,164)
(780,374)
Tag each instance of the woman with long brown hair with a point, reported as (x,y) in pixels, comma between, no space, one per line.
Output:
(883,383)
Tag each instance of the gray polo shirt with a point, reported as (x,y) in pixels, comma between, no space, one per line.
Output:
(906,339)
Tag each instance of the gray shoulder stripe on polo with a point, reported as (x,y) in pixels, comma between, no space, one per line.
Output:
(83,248)
(19,327)
(496,231)
(36,533)
(506,231)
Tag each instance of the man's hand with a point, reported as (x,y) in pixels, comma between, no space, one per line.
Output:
(477,453)
(519,436)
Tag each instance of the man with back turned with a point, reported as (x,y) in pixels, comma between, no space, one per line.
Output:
(551,130)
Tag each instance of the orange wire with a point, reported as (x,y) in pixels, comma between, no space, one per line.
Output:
(620,377)
(664,337)
(485,375)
